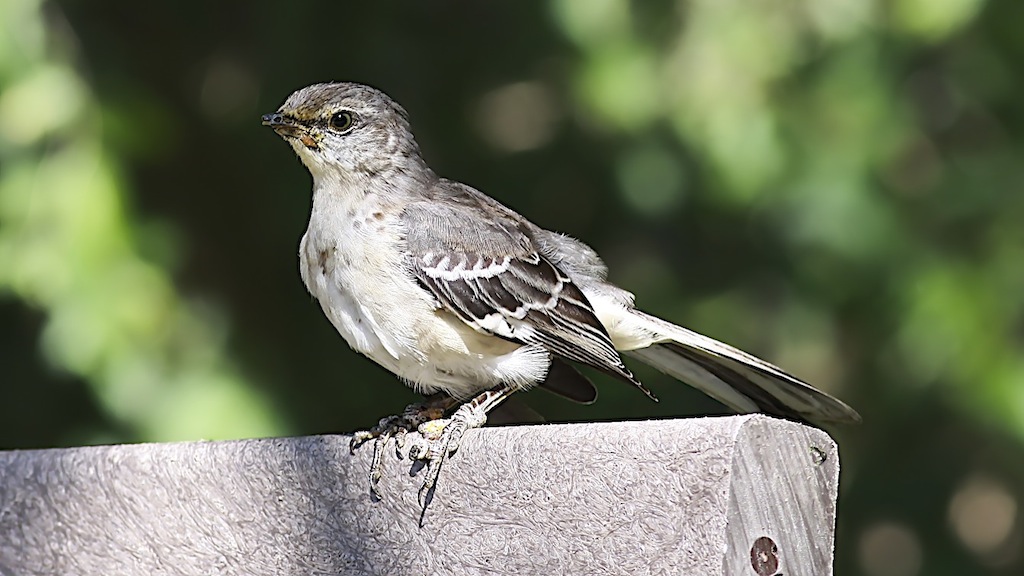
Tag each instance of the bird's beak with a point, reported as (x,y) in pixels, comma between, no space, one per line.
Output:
(279,122)
(288,127)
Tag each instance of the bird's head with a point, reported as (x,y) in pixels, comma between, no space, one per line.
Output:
(346,130)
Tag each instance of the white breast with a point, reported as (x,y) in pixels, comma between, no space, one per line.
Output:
(352,262)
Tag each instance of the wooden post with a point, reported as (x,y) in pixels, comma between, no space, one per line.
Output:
(742,495)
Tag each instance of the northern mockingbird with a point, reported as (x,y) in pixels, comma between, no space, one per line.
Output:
(463,298)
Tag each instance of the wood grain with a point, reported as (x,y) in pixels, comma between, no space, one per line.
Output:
(686,496)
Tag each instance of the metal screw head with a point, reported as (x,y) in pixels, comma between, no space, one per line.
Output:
(818,455)
(764,556)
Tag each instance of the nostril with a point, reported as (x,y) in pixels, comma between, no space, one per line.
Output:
(272,119)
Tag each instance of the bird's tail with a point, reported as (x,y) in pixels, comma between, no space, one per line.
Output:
(733,377)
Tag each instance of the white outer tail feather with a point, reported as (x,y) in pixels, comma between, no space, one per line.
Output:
(739,380)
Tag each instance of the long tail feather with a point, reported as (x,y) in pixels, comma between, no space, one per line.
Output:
(740,381)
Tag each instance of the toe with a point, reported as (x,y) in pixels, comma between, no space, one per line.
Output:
(433,429)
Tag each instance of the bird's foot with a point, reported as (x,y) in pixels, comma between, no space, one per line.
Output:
(422,433)
(438,439)
(397,427)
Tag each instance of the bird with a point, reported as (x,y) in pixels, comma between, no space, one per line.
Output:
(467,301)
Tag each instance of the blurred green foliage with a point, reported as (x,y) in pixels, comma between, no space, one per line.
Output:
(835,185)
(154,360)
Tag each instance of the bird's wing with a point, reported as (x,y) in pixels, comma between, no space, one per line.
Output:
(478,259)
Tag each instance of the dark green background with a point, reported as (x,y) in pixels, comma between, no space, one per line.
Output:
(836,186)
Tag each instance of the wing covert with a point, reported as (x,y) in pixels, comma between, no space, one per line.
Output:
(481,264)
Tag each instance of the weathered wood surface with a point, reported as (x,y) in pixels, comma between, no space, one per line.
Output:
(658,497)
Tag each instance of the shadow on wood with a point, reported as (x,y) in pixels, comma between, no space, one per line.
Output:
(742,495)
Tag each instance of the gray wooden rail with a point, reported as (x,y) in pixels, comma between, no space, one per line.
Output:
(743,495)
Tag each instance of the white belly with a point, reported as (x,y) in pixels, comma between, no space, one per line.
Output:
(351,261)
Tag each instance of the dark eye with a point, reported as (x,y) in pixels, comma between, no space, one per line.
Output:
(342,121)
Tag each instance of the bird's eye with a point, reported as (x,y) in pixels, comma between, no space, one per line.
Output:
(342,121)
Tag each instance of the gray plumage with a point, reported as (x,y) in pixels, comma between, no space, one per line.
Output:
(480,261)
(456,293)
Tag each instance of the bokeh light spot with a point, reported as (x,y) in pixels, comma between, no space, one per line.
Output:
(890,549)
(933,20)
(229,90)
(651,179)
(44,100)
(982,514)
(517,117)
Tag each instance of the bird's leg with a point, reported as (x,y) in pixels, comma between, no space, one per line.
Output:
(414,416)
(441,437)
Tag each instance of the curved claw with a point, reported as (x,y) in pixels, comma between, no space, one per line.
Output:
(386,429)
(429,437)
(358,439)
(377,461)
(445,437)
(387,425)
(437,454)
